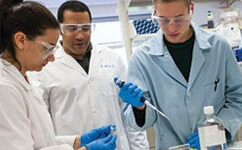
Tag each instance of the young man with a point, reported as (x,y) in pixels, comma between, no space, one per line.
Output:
(181,70)
(78,87)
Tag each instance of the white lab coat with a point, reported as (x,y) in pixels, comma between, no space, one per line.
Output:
(79,102)
(25,122)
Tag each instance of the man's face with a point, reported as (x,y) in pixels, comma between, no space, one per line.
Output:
(174,19)
(76,33)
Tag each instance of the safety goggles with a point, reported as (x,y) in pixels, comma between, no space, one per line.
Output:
(75,28)
(49,49)
(179,20)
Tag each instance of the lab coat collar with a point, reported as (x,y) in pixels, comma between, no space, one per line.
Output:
(156,49)
(69,61)
(160,48)
(61,53)
(202,41)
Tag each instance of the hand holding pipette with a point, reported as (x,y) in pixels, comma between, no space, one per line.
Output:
(133,95)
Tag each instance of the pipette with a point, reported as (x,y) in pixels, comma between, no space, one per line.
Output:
(121,83)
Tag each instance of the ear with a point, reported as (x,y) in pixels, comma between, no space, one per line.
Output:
(19,39)
(154,11)
(192,7)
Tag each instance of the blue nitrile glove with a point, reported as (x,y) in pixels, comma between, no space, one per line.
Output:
(131,94)
(96,134)
(107,143)
(193,141)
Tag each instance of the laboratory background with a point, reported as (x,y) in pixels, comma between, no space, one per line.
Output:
(130,21)
(124,24)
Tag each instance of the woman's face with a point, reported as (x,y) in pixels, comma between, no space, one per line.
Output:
(38,52)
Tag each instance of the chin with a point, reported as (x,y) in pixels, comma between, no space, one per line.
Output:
(175,40)
(38,69)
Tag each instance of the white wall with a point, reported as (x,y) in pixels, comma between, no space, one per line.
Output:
(99,8)
(106,9)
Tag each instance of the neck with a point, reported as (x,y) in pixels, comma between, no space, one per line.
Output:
(189,34)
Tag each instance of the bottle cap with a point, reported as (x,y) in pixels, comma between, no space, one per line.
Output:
(208,110)
(209,14)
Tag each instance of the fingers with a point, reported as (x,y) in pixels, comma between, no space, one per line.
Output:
(140,94)
(112,143)
(131,89)
(107,139)
(128,89)
(192,136)
(123,92)
(115,79)
(126,86)
(193,140)
(137,92)
(105,130)
(113,140)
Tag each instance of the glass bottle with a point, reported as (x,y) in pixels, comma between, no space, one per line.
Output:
(211,132)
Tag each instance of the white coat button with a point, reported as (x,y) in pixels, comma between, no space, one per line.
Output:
(189,93)
(94,110)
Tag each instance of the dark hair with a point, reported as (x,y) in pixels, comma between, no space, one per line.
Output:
(31,18)
(74,6)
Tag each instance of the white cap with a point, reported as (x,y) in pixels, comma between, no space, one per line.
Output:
(208,110)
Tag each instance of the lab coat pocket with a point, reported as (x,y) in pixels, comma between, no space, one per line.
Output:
(214,94)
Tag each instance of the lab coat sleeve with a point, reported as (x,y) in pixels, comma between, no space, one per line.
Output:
(150,118)
(44,86)
(121,73)
(65,140)
(58,147)
(14,125)
(137,139)
(231,113)
(135,76)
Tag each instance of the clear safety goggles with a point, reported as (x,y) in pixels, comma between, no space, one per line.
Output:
(49,49)
(75,28)
(179,20)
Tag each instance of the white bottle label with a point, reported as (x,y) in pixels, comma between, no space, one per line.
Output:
(211,137)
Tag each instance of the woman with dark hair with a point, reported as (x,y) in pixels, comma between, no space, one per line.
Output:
(28,36)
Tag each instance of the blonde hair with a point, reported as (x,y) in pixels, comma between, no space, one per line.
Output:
(188,2)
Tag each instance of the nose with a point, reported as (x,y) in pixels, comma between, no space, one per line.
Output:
(79,34)
(171,27)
